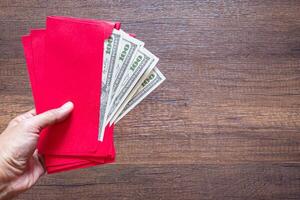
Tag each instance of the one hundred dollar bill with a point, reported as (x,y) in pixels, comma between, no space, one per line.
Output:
(127,49)
(142,61)
(133,91)
(109,58)
(148,83)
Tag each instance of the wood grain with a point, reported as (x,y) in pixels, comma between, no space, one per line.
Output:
(225,124)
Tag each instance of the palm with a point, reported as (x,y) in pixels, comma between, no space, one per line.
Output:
(29,176)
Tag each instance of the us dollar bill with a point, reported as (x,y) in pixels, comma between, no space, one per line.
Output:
(109,58)
(135,88)
(126,52)
(148,83)
(142,61)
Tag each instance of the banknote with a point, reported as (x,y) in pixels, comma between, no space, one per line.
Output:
(148,83)
(126,52)
(109,58)
(142,61)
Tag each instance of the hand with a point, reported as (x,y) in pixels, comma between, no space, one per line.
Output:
(20,164)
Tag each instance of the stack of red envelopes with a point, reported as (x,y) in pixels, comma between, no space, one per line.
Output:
(65,64)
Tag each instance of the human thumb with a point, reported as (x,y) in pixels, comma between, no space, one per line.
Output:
(52,116)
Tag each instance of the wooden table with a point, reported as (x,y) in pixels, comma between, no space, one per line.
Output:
(225,124)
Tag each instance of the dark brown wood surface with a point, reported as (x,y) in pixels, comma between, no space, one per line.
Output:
(225,124)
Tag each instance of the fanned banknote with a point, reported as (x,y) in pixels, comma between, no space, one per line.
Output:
(129,74)
(142,61)
(109,58)
(149,82)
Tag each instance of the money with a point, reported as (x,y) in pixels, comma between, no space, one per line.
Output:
(128,76)
(136,87)
(142,61)
(147,84)
(109,58)
(126,51)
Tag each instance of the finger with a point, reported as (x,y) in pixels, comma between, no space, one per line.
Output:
(41,160)
(39,169)
(28,114)
(32,112)
(23,117)
(51,116)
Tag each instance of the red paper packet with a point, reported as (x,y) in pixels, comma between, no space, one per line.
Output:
(65,63)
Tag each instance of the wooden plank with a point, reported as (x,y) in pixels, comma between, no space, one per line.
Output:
(194,181)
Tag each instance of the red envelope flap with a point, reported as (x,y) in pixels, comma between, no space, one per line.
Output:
(117,25)
(73,69)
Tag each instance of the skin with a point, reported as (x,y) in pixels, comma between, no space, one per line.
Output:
(20,164)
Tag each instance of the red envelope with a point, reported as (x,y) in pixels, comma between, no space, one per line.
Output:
(38,46)
(71,167)
(73,72)
(54,60)
(56,163)
(55,160)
